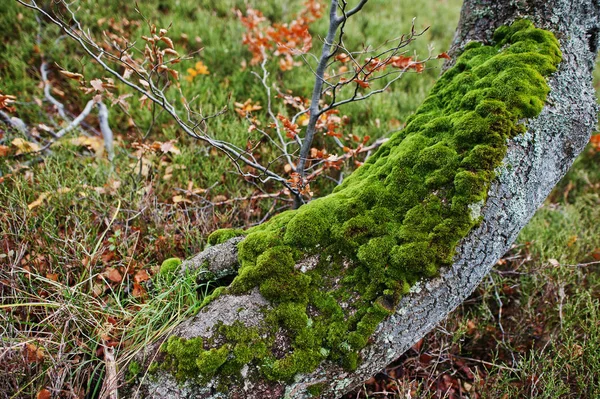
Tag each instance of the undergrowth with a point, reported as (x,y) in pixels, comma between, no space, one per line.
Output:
(81,239)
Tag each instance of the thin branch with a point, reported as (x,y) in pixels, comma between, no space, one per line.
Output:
(107,133)
(86,111)
(356,9)
(15,122)
(47,87)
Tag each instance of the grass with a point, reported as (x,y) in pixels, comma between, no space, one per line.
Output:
(78,271)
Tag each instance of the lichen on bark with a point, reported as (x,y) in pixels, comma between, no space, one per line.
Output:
(394,221)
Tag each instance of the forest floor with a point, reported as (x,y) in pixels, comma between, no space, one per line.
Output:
(82,237)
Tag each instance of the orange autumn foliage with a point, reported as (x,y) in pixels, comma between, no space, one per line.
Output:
(280,39)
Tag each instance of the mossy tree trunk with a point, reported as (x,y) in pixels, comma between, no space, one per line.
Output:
(535,158)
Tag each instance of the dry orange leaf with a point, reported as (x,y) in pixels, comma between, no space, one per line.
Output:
(72,75)
(343,57)
(168,42)
(113,275)
(33,353)
(43,394)
(595,141)
(4,150)
(6,100)
(247,107)
(138,290)
(362,83)
(141,276)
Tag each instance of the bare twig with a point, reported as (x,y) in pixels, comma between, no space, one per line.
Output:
(107,133)
(86,111)
(60,108)
(14,122)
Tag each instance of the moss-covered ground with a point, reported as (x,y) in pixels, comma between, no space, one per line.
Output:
(79,265)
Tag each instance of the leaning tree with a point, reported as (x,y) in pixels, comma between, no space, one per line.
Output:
(327,295)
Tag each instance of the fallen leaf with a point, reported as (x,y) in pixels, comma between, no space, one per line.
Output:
(38,201)
(43,394)
(471,327)
(141,276)
(24,146)
(553,262)
(219,199)
(96,144)
(169,146)
(113,275)
(98,289)
(138,290)
(33,353)
(4,150)
(180,198)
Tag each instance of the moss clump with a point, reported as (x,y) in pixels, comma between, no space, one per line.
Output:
(316,389)
(169,266)
(189,358)
(222,235)
(133,369)
(395,220)
(182,356)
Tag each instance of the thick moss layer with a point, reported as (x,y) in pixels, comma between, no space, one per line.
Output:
(397,219)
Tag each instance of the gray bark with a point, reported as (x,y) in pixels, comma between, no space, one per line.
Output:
(533,165)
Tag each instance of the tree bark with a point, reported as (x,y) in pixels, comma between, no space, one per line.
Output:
(533,165)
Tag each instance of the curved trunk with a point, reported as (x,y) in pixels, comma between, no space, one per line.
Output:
(533,164)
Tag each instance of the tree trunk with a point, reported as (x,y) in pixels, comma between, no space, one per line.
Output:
(534,163)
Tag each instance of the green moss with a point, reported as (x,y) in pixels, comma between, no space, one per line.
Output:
(188,358)
(209,361)
(316,389)
(182,357)
(169,266)
(133,369)
(222,235)
(396,220)
(154,366)
(213,295)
